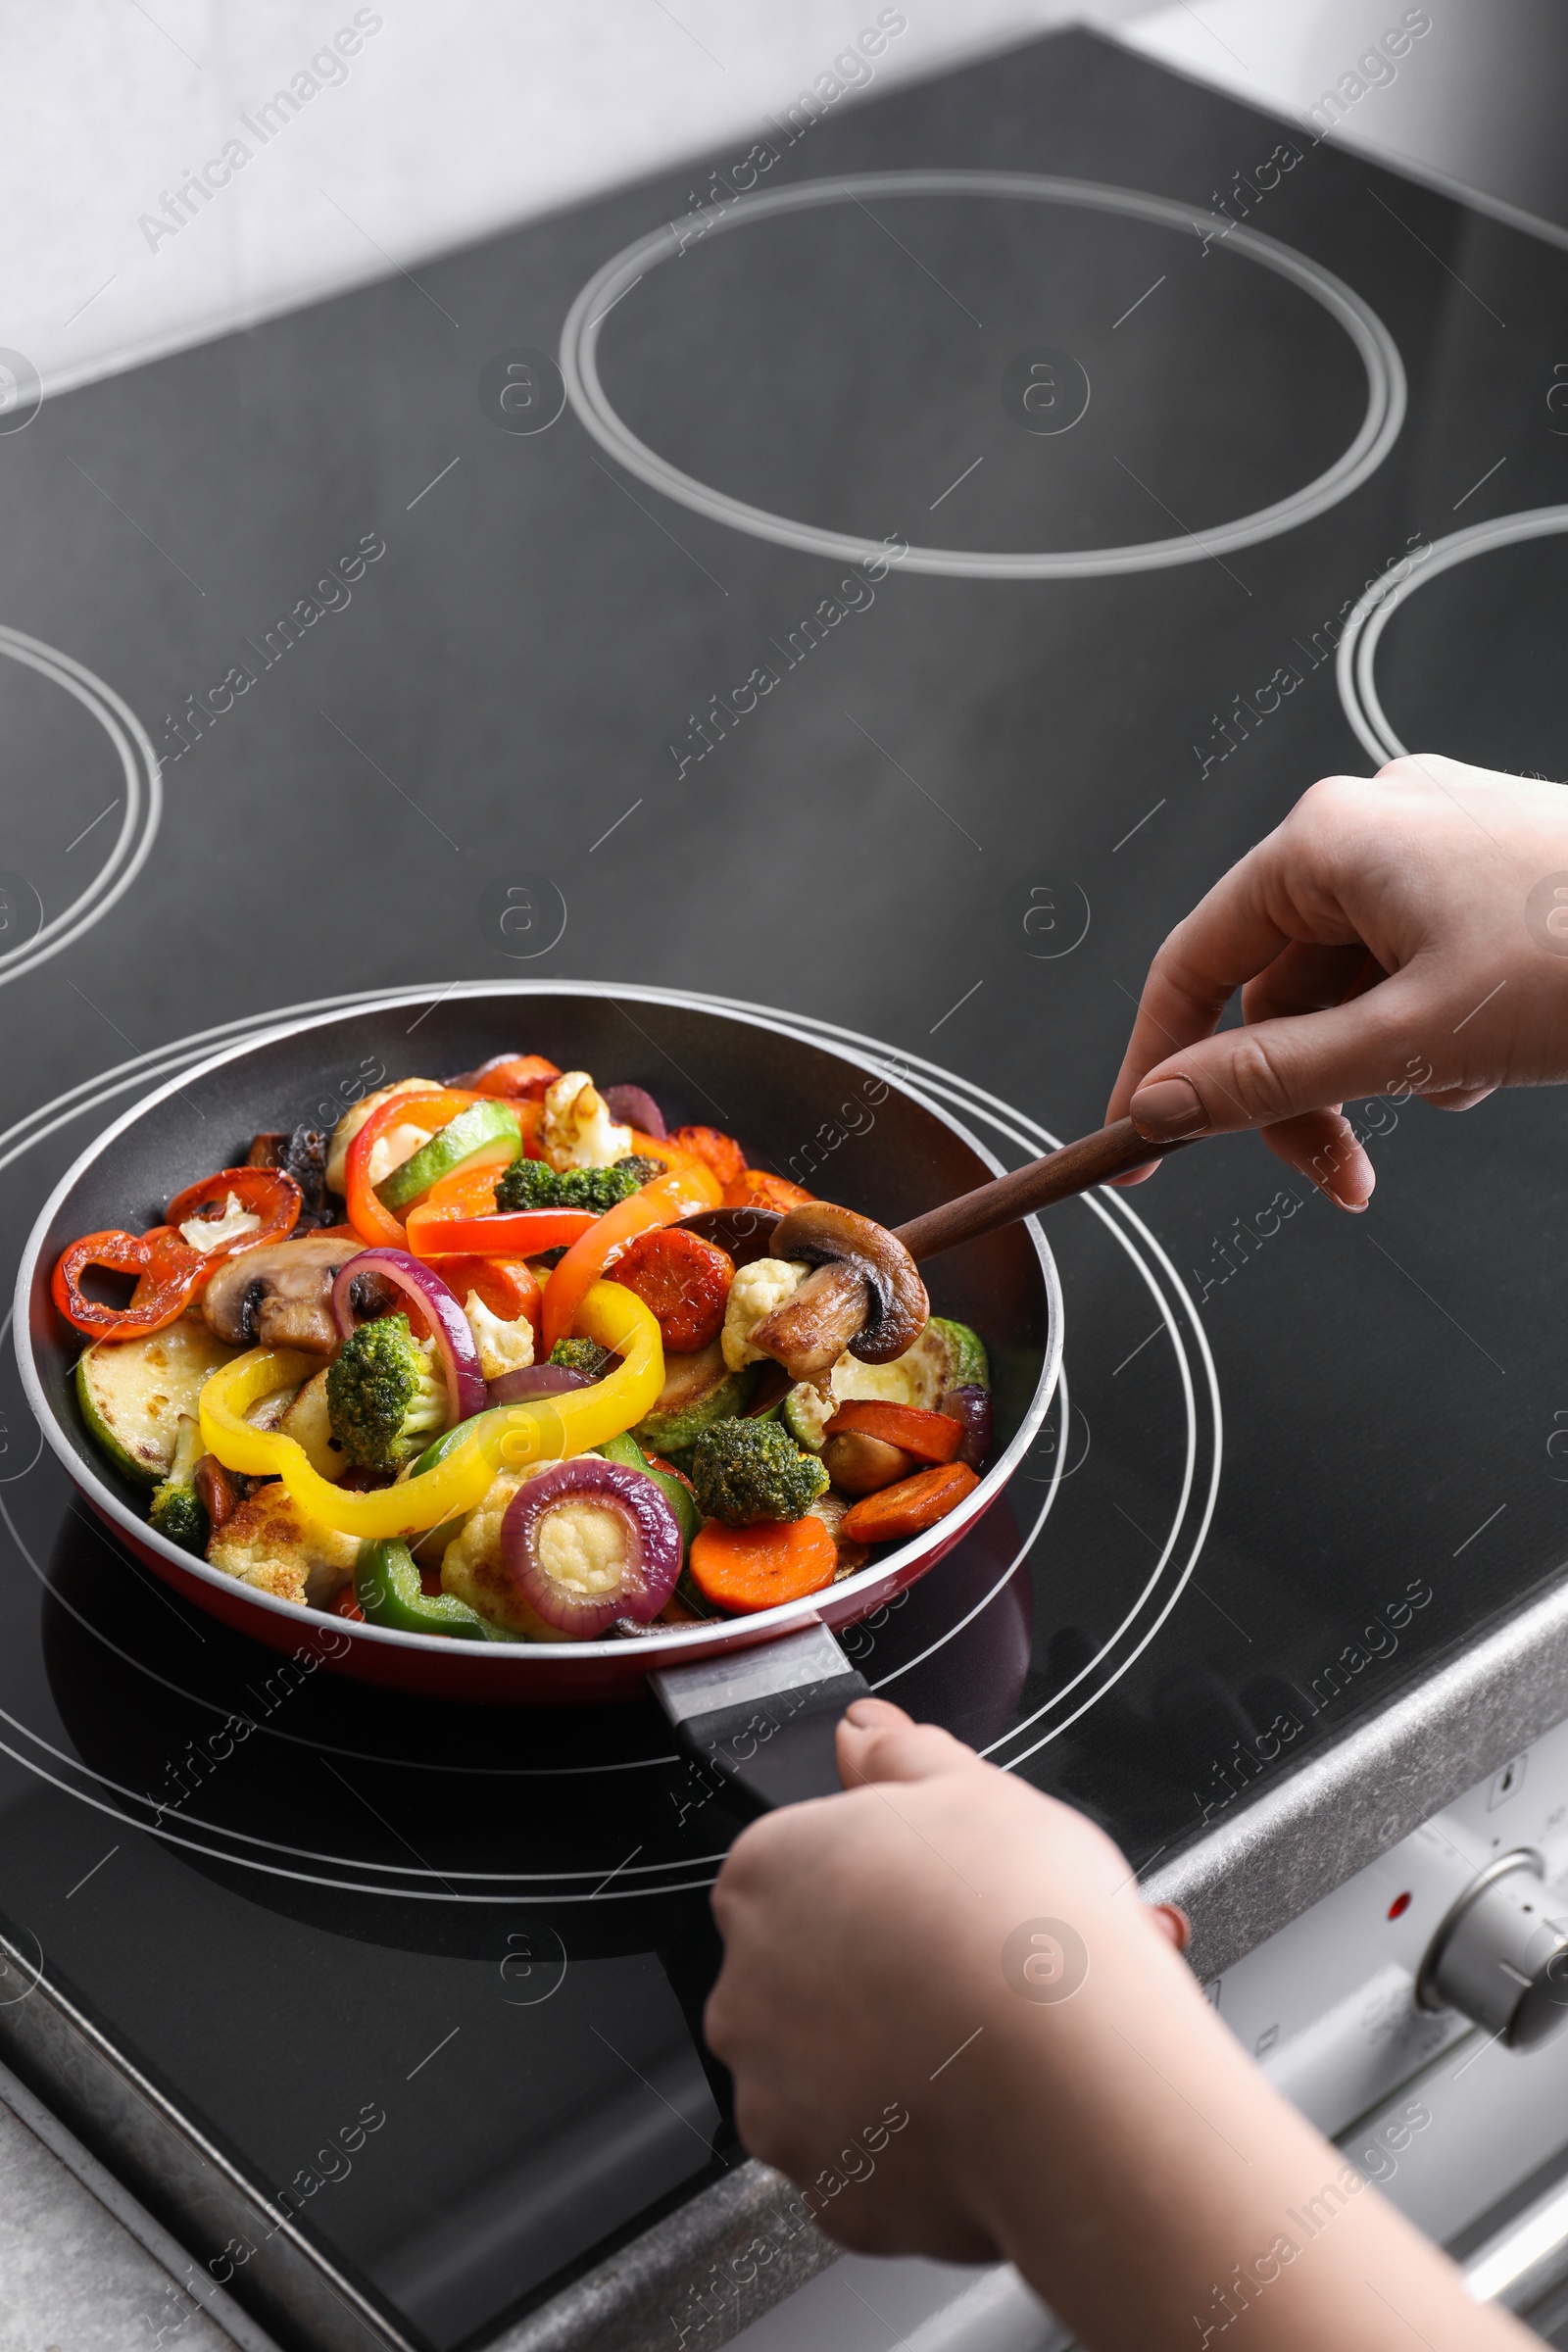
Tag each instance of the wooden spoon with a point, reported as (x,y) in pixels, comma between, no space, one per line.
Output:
(831,1308)
(1072,1168)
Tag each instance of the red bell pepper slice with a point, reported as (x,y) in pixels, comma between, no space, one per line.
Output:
(373,1222)
(170,1274)
(518,1233)
(270,1194)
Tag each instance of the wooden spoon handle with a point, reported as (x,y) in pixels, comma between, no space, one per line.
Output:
(1074,1168)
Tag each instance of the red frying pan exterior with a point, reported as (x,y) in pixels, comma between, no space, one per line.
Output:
(775,1081)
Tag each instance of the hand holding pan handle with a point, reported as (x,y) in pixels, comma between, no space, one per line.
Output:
(763,1719)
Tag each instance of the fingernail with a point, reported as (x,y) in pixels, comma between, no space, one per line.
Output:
(866,1713)
(1171,1106)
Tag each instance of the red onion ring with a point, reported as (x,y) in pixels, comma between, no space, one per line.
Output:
(449,1325)
(653,1545)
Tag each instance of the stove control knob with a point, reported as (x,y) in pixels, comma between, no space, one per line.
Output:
(1501,1956)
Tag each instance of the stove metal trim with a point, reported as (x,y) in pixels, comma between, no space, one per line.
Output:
(133,2216)
(171,2168)
(1291,1844)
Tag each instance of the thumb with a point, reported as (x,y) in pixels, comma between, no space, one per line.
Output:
(1269,1071)
(877,1741)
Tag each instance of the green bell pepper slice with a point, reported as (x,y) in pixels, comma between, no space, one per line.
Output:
(387,1588)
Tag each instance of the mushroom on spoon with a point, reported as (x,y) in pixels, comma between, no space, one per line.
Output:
(864,1292)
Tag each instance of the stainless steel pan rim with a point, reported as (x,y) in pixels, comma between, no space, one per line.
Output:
(733,1633)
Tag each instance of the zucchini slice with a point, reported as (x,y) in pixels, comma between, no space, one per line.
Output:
(133,1391)
(698,1390)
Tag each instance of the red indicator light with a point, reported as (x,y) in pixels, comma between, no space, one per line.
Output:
(1399,1906)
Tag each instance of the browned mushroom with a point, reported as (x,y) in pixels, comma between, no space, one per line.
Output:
(866,1294)
(281,1294)
(861,1465)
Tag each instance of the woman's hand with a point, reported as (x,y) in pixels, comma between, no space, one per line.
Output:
(950,2019)
(1407,934)
(864,1976)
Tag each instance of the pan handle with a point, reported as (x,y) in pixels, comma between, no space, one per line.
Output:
(763,1719)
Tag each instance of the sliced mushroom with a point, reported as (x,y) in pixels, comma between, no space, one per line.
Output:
(281,1294)
(866,1294)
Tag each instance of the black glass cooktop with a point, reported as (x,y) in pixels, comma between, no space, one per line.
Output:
(936,576)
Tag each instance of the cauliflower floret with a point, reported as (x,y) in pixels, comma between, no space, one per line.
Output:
(216,1233)
(577,1130)
(394,1153)
(503,1347)
(471,1569)
(269,1543)
(757,1289)
(902,1382)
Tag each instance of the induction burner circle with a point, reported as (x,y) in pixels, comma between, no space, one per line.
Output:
(1357,660)
(199,1828)
(142,795)
(1372,342)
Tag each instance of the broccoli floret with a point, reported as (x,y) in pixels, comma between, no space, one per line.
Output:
(384,1395)
(528,1184)
(748,1470)
(598,1189)
(582,1356)
(177,1511)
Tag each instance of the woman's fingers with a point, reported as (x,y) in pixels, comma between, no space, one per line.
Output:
(1321,1146)
(1275,1070)
(877,1741)
(1304,978)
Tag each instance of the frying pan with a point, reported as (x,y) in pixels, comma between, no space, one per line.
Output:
(859,1134)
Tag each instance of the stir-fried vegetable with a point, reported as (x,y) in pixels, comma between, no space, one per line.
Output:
(513,1396)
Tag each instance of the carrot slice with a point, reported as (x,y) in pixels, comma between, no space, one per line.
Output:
(663,1201)
(684,1282)
(743,1569)
(754,1187)
(911,1507)
(929,1437)
(722,1154)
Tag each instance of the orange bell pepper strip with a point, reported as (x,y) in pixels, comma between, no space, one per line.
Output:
(663,1201)
(374,1223)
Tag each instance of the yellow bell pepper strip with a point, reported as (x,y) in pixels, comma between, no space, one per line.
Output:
(511,1437)
(663,1201)
(370,1219)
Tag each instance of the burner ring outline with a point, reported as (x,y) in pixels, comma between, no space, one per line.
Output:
(918,1074)
(1356,663)
(1374,345)
(144,800)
